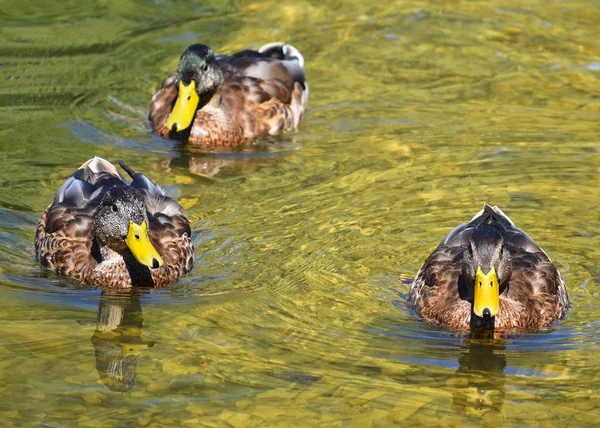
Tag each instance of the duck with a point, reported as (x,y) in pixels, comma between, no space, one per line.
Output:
(213,101)
(488,276)
(103,231)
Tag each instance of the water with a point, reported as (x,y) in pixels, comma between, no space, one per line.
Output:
(306,244)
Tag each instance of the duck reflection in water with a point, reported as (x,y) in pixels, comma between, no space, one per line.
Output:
(117,340)
(231,162)
(478,384)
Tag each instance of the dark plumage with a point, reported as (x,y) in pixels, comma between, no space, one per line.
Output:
(227,100)
(102,231)
(489,254)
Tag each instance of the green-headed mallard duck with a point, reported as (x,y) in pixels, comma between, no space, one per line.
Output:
(227,100)
(489,275)
(102,231)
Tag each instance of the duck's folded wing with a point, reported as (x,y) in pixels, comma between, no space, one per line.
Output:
(87,183)
(437,283)
(538,285)
(277,67)
(457,236)
(72,223)
(64,239)
(170,232)
(521,240)
(444,262)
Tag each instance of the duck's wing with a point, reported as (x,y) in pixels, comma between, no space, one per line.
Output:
(273,62)
(534,274)
(162,102)
(79,196)
(444,262)
(64,236)
(87,183)
(170,231)
(270,82)
(437,293)
(157,204)
(457,236)
(440,272)
(537,292)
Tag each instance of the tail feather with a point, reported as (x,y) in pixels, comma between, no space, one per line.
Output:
(96,169)
(489,215)
(141,181)
(494,216)
(282,51)
(127,169)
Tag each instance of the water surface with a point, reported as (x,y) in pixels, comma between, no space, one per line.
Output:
(306,244)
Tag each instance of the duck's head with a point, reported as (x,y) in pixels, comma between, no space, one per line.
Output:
(120,222)
(486,268)
(198,76)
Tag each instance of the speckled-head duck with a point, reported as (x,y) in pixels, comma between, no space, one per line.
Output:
(104,231)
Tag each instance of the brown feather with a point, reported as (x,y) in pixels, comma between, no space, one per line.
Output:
(65,243)
(536,295)
(257,98)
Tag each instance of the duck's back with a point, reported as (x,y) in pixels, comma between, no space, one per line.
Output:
(277,66)
(492,217)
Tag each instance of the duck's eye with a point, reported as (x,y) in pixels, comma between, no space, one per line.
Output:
(204,67)
(114,208)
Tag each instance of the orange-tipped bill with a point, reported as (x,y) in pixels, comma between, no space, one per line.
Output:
(486,302)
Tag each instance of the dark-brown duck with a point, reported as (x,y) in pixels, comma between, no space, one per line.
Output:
(104,231)
(488,275)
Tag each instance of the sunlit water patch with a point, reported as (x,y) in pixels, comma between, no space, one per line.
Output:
(306,244)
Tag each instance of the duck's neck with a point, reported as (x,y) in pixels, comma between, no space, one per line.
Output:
(139,274)
(108,254)
(482,327)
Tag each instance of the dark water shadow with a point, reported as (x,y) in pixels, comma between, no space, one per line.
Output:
(117,340)
(90,134)
(471,368)
(478,383)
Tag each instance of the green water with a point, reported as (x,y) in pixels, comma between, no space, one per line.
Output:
(295,313)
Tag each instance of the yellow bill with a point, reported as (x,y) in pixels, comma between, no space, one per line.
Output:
(139,243)
(183,112)
(487,293)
